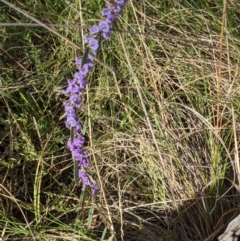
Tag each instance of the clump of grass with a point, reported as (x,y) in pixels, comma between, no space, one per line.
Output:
(161,129)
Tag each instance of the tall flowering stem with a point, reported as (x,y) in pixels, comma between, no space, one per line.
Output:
(97,34)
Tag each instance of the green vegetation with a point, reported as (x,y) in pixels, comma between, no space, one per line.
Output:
(162,129)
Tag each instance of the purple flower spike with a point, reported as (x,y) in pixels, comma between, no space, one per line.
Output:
(76,87)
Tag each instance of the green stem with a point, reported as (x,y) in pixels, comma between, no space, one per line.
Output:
(75,164)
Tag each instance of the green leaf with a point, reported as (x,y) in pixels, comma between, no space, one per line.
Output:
(90,216)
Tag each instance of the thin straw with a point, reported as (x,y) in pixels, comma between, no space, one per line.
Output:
(19,24)
(49,26)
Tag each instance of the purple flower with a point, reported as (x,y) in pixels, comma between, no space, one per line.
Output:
(92,43)
(106,12)
(75,101)
(94,29)
(76,143)
(78,75)
(89,62)
(107,35)
(70,144)
(87,182)
(121,2)
(81,158)
(79,140)
(110,18)
(78,127)
(82,82)
(80,79)
(117,9)
(95,190)
(72,87)
(70,111)
(85,69)
(78,61)
(104,26)
(71,121)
